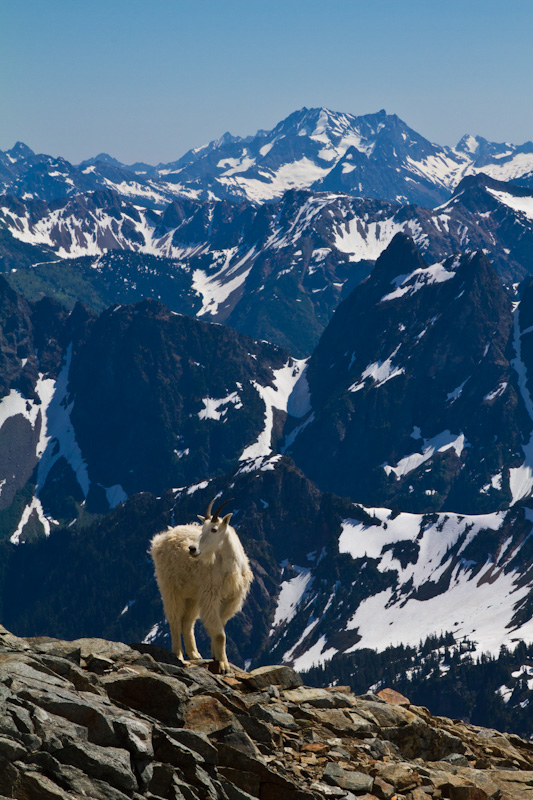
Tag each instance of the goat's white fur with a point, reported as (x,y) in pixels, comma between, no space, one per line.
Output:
(202,572)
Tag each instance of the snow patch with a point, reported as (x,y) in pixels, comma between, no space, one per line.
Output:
(211,410)
(282,397)
(437,444)
(419,279)
(291,594)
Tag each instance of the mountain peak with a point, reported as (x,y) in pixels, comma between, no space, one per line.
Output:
(20,151)
(469,144)
(401,256)
(103,158)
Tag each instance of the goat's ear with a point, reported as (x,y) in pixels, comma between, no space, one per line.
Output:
(226,519)
(202,519)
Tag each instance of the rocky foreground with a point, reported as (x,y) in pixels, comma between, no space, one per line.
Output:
(98,719)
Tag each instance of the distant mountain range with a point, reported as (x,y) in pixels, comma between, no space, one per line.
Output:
(374,156)
(275,271)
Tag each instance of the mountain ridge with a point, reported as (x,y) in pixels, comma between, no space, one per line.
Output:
(311,148)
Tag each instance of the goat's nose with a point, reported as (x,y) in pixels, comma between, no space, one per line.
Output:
(192,549)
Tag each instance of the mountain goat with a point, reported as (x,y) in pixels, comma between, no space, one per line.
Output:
(202,572)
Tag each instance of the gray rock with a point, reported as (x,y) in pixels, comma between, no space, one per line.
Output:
(274,715)
(386,716)
(457,760)
(21,671)
(160,780)
(81,784)
(9,777)
(352,781)
(233,792)
(34,786)
(22,718)
(10,749)
(71,706)
(158,696)
(7,723)
(99,664)
(256,729)
(284,677)
(206,786)
(53,729)
(243,780)
(134,735)
(327,790)
(169,751)
(236,736)
(45,645)
(109,764)
(97,647)
(194,740)
(10,642)
(319,698)
(67,669)
(184,791)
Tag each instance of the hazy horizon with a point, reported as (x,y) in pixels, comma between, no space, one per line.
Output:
(148,83)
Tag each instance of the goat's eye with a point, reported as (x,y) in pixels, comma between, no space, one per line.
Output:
(214,530)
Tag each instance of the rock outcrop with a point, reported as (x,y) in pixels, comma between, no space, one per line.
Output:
(102,720)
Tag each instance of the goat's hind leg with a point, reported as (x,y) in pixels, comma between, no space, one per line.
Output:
(175,622)
(190,615)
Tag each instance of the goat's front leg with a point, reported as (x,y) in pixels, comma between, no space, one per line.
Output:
(215,629)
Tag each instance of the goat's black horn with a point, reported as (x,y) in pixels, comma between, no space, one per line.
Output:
(209,507)
(219,509)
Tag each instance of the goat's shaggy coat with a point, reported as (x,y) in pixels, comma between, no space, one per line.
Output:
(202,572)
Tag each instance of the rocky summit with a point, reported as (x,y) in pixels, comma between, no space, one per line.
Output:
(102,720)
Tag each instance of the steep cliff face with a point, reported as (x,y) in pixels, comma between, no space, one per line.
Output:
(100,719)
(414,398)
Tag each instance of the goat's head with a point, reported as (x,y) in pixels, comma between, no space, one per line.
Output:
(213,532)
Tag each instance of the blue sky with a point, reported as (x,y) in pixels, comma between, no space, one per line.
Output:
(145,81)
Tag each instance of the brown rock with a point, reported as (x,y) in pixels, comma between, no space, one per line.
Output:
(401,775)
(315,747)
(467,793)
(383,789)
(207,714)
(393,697)
(419,794)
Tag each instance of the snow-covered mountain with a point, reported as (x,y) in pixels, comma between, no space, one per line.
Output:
(375,155)
(275,271)
(34,176)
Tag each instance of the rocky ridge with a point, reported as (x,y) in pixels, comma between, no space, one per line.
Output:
(99,719)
